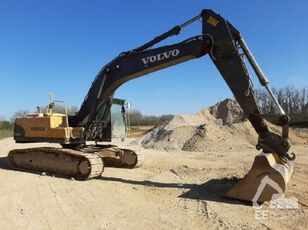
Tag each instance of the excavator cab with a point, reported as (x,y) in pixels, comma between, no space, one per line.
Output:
(111,122)
(119,119)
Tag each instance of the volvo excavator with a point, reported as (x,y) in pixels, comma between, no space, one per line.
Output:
(228,51)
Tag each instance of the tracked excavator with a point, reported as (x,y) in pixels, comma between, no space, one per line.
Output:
(228,51)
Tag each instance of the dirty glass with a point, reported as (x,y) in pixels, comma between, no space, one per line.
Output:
(117,122)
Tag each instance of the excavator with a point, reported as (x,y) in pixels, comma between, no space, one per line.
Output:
(228,51)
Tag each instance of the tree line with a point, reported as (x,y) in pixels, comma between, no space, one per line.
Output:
(6,125)
(6,128)
(137,118)
(72,110)
(294,102)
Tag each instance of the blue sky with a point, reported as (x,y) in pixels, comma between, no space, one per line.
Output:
(60,45)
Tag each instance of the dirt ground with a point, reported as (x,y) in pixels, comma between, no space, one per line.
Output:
(170,190)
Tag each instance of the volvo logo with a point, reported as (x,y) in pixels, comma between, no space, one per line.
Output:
(160,56)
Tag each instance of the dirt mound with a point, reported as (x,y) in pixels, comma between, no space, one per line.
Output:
(228,111)
(216,127)
(219,127)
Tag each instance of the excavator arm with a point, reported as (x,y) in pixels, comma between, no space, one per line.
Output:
(228,51)
(223,43)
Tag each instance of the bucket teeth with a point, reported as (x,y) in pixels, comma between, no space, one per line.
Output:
(266,180)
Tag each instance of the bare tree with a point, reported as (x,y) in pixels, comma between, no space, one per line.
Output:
(72,110)
(294,101)
(18,114)
(136,118)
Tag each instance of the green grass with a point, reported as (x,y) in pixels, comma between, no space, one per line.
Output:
(5,133)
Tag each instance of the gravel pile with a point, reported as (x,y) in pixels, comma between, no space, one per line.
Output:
(215,128)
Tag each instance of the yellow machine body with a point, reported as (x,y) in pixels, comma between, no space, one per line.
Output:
(40,127)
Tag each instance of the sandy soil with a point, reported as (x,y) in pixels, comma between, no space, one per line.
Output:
(171,190)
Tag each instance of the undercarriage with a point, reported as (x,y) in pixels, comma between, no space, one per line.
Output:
(85,163)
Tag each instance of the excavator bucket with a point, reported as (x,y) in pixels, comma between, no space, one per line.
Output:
(267,180)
